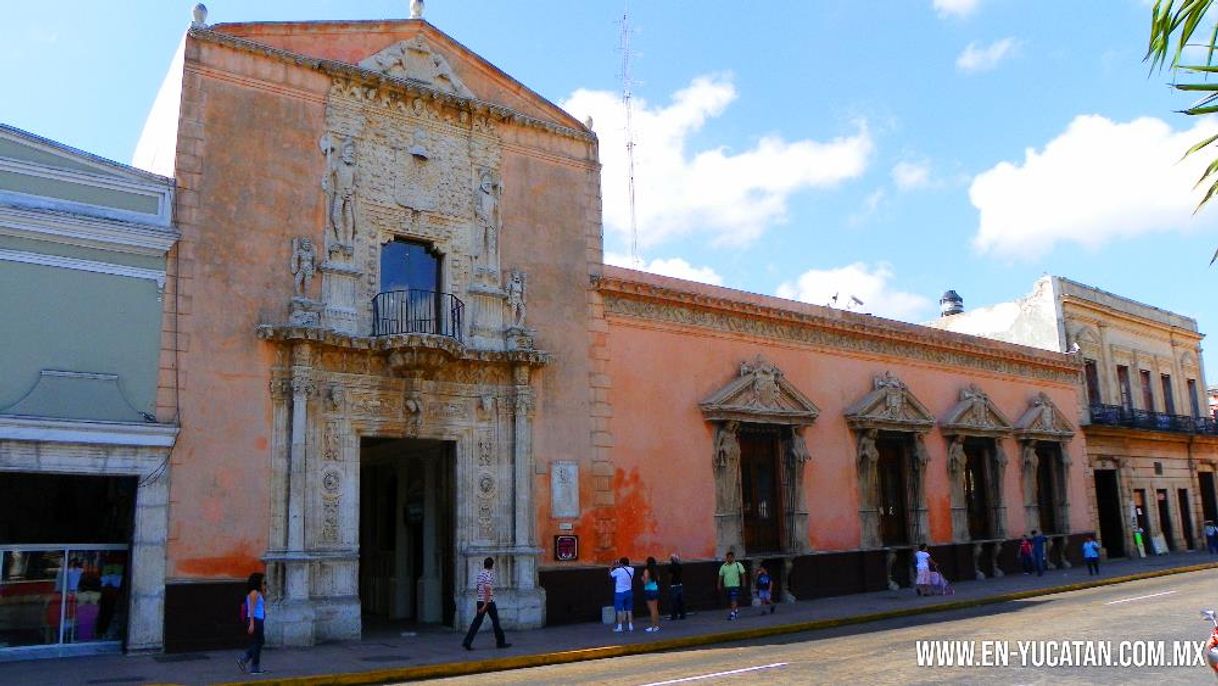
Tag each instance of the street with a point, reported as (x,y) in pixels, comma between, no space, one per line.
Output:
(1129,620)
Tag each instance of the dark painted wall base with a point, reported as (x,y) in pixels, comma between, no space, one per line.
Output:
(204,616)
(578,594)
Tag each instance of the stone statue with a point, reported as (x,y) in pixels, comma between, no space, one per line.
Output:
(956,458)
(894,394)
(1029,458)
(1046,411)
(303,264)
(339,184)
(764,390)
(416,9)
(515,297)
(799,449)
(727,446)
(868,460)
(486,208)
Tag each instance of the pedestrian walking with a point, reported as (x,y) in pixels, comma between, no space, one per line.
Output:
(651,593)
(1091,555)
(1025,554)
(623,593)
(1039,542)
(731,573)
(1211,537)
(922,565)
(676,588)
(255,614)
(484,587)
(762,583)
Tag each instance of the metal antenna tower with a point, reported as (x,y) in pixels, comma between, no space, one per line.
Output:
(627,84)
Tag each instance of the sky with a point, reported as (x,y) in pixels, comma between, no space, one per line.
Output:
(880,151)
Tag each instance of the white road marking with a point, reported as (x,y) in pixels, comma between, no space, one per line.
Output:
(712,676)
(1141,597)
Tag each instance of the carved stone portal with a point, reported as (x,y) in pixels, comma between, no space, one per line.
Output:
(1043,425)
(890,407)
(759,394)
(975,416)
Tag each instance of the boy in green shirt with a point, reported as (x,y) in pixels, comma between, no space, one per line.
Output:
(730,575)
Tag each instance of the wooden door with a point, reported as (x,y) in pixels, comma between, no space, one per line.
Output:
(977,487)
(759,479)
(893,507)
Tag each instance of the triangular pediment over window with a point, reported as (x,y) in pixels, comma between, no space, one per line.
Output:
(760,394)
(889,407)
(1042,421)
(975,415)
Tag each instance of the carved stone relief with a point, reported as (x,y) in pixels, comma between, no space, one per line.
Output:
(415,60)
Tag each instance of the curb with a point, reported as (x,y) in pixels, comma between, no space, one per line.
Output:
(453,669)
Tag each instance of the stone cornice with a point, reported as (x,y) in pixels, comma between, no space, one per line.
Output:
(355,74)
(86,231)
(843,331)
(54,430)
(387,345)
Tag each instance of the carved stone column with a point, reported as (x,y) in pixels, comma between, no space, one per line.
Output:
(295,611)
(956,464)
(890,559)
(1029,462)
(997,492)
(867,461)
(920,511)
(340,287)
(796,509)
(995,553)
(729,524)
(977,549)
(1061,482)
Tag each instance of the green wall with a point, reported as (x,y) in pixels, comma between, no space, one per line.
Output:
(65,319)
(79,192)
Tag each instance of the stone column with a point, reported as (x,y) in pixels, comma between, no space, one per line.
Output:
(956,465)
(1061,484)
(796,510)
(921,513)
(145,623)
(729,525)
(527,599)
(295,612)
(867,463)
(999,472)
(1029,463)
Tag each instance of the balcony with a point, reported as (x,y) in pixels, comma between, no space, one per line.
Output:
(1118,415)
(417,311)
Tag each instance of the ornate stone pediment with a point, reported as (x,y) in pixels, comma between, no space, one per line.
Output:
(975,415)
(415,60)
(760,394)
(889,407)
(1042,421)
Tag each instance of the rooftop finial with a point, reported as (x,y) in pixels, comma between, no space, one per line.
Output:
(416,9)
(199,16)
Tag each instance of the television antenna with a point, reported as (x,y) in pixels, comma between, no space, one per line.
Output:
(627,85)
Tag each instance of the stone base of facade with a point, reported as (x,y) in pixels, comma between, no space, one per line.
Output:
(816,575)
(518,609)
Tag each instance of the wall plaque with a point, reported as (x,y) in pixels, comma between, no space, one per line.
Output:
(566,548)
(564,490)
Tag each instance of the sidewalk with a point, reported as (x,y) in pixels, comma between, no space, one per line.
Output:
(433,653)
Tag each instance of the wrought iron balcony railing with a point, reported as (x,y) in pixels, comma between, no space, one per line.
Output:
(417,311)
(1119,415)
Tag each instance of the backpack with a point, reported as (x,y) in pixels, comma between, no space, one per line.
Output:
(763,582)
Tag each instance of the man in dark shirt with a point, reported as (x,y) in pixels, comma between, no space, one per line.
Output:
(676,588)
(1039,543)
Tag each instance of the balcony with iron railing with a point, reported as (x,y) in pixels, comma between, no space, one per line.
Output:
(417,311)
(1119,415)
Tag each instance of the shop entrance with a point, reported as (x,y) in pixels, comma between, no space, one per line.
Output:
(407,504)
(1108,502)
(1165,526)
(64,561)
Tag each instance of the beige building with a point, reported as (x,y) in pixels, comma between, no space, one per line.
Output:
(1152,448)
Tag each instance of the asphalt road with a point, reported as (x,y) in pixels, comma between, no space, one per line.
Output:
(1132,621)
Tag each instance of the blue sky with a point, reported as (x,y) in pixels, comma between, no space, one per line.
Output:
(886,150)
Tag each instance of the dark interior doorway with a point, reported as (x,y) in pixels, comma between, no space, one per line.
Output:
(893,483)
(1165,524)
(1186,518)
(407,506)
(1047,468)
(1209,508)
(1108,502)
(761,506)
(977,486)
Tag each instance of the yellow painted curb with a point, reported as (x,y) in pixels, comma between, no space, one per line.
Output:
(453,669)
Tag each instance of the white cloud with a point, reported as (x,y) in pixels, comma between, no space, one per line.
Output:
(674,267)
(911,175)
(1096,182)
(727,197)
(870,285)
(956,8)
(978,58)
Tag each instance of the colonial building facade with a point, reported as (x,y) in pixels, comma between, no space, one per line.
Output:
(401,353)
(83,490)
(1152,448)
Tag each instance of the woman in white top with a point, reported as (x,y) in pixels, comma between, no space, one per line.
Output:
(922,562)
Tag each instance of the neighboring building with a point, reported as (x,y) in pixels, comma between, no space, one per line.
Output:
(83,488)
(402,354)
(1212,394)
(1151,446)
